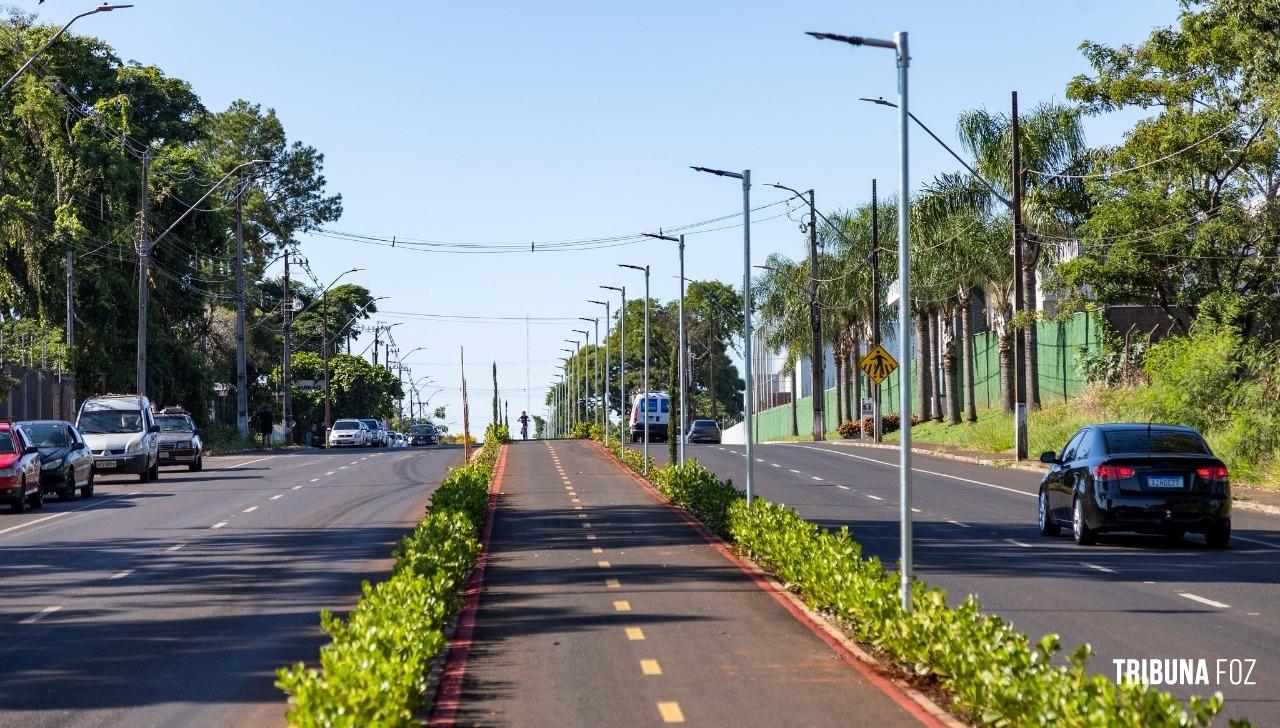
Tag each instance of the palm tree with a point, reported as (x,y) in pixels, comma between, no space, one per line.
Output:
(784,310)
(1051,141)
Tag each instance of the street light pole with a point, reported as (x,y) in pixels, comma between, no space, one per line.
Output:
(104,8)
(575,387)
(817,359)
(622,362)
(681,345)
(645,408)
(604,391)
(324,350)
(899,46)
(586,375)
(745,176)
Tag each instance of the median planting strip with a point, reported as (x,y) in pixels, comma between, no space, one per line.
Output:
(987,671)
(374,669)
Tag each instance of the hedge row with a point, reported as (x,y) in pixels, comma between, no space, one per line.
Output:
(995,674)
(373,671)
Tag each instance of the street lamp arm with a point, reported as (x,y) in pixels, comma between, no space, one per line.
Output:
(856,40)
(991,188)
(204,197)
(104,8)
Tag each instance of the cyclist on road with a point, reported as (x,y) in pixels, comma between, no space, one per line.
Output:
(524,425)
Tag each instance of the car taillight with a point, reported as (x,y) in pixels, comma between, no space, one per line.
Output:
(1215,472)
(1114,472)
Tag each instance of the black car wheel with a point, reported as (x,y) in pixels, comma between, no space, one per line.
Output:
(155,470)
(37,498)
(19,505)
(145,475)
(1048,526)
(87,490)
(1219,537)
(1174,535)
(68,491)
(1081,533)
(198,464)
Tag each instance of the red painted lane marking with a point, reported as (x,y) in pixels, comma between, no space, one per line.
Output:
(789,602)
(449,694)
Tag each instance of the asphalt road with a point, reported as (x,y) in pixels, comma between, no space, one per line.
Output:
(172,603)
(602,607)
(1130,597)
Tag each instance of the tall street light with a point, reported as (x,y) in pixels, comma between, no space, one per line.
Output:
(817,358)
(604,390)
(400,370)
(144,268)
(103,8)
(681,344)
(622,360)
(745,176)
(586,375)
(324,350)
(575,388)
(1020,370)
(599,377)
(645,407)
(899,46)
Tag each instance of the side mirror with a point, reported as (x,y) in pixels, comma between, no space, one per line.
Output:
(1048,458)
(32,450)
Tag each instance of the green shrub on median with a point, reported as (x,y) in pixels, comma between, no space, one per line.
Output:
(373,671)
(996,675)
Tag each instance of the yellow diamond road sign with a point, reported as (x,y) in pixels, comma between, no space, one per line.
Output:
(878,364)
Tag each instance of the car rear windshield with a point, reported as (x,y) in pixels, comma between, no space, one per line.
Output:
(106,422)
(1155,441)
(47,434)
(174,423)
(346,425)
(421,429)
(371,424)
(704,423)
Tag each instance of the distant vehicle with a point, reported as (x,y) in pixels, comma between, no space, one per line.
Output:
(349,433)
(19,469)
(401,440)
(378,435)
(122,433)
(704,431)
(1159,479)
(65,461)
(180,442)
(658,412)
(423,434)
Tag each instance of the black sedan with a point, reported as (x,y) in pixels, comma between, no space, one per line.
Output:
(422,434)
(1160,479)
(65,461)
(704,431)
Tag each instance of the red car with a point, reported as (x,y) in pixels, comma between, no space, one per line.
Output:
(19,469)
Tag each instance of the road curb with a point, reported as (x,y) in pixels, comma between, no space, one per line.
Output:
(448,691)
(916,703)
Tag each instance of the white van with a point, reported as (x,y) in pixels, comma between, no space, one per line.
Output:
(121,432)
(658,412)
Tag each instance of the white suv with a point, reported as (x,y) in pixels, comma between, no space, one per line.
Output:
(122,433)
(349,433)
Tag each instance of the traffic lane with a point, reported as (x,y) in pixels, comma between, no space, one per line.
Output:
(632,618)
(206,615)
(1134,599)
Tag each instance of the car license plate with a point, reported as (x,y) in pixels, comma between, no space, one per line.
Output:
(165,454)
(106,463)
(1164,481)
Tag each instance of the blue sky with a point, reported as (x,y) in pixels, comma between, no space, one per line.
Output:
(519,121)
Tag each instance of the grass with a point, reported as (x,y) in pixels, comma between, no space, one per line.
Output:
(1047,429)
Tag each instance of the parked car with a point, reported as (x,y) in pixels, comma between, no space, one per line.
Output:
(65,461)
(423,434)
(349,433)
(377,433)
(1144,478)
(19,469)
(704,431)
(180,442)
(658,412)
(122,433)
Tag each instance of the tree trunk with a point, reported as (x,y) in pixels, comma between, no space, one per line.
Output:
(855,355)
(966,345)
(951,368)
(1005,344)
(837,360)
(935,383)
(795,394)
(850,376)
(1030,337)
(923,364)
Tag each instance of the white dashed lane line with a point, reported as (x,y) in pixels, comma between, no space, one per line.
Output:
(1095,567)
(219,524)
(843,487)
(1202,600)
(815,477)
(121,574)
(175,547)
(277,496)
(1018,543)
(874,497)
(961,525)
(41,614)
(250,509)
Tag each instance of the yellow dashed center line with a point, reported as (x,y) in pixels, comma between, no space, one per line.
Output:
(635,634)
(650,667)
(602,564)
(670,712)
(622,606)
(612,584)
(591,537)
(597,550)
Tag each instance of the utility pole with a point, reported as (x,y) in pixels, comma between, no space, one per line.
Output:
(877,427)
(71,310)
(622,359)
(818,362)
(1019,340)
(377,329)
(324,352)
(286,405)
(242,363)
(144,272)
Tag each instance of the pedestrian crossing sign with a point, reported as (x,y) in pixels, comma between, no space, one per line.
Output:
(878,364)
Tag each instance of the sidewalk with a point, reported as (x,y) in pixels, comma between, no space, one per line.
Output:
(602,607)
